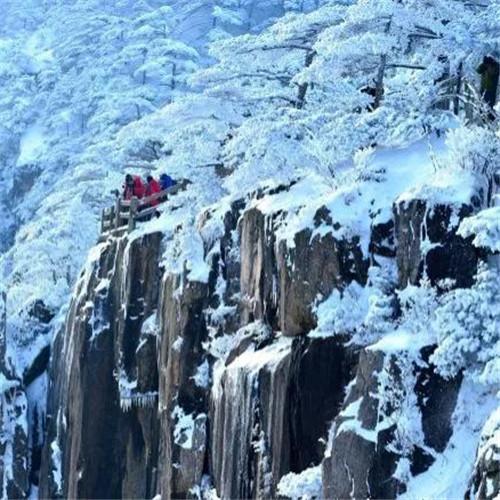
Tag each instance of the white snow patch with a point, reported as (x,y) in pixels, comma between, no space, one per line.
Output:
(254,360)
(56,460)
(31,146)
(448,476)
(150,326)
(177,344)
(484,227)
(305,485)
(401,340)
(185,427)
(202,376)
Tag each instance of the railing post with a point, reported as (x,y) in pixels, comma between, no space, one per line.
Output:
(134,205)
(117,213)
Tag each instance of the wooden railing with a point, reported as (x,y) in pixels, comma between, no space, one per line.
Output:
(125,214)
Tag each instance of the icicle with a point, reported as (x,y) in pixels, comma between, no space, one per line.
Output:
(139,400)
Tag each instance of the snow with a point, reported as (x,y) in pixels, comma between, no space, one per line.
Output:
(484,227)
(254,360)
(341,312)
(7,384)
(56,461)
(449,475)
(221,346)
(306,485)
(490,435)
(185,427)
(407,173)
(79,109)
(31,145)
(401,340)
(177,344)
(150,325)
(365,312)
(202,376)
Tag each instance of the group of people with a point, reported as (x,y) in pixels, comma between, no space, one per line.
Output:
(134,186)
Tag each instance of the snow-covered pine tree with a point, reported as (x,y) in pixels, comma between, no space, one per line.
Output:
(468,329)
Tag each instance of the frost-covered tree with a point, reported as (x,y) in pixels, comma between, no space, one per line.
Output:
(363,58)
(468,329)
(260,69)
(257,73)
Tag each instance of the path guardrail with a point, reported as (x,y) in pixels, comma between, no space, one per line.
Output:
(124,215)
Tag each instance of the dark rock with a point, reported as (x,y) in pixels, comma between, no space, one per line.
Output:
(382,240)
(14,472)
(102,445)
(269,417)
(358,465)
(258,268)
(437,399)
(183,332)
(38,366)
(447,255)
(365,451)
(320,371)
(41,312)
(312,269)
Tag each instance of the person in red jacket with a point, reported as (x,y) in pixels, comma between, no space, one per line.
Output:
(152,187)
(133,187)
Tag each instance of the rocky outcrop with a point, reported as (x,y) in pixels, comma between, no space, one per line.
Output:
(103,365)
(258,268)
(184,385)
(309,271)
(14,469)
(162,385)
(428,243)
(249,407)
(14,449)
(485,482)
(271,408)
(396,416)
(281,281)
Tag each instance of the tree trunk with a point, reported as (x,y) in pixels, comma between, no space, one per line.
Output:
(301,96)
(379,83)
(458,90)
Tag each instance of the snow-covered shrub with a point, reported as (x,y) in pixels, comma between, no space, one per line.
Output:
(484,227)
(398,405)
(474,149)
(418,304)
(305,485)
(468,329)
(366,312)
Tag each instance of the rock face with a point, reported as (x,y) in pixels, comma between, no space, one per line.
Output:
(104,364)
(280,283)
(269,414)
(183,403)
(367,445)
(427,241)
(162,385)
(14,469)
(14,472)
(312,268)
(485,482)
(258,268)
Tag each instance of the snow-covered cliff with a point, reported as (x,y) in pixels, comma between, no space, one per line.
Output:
(296,353)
